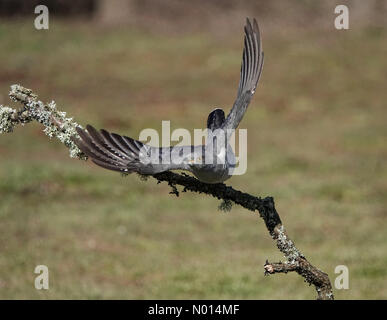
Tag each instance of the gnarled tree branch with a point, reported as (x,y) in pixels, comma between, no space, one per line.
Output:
(57,125)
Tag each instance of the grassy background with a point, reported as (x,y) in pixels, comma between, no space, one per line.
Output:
(316,143)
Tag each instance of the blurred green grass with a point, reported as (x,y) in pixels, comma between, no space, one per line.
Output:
(316,141)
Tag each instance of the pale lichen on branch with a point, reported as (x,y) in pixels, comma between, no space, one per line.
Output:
(55,123)
(7,116)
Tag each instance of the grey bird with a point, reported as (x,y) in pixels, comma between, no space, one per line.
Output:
(212,162)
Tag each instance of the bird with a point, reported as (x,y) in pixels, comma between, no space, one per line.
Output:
(212,162)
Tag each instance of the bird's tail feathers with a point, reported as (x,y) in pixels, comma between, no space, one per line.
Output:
(109,150)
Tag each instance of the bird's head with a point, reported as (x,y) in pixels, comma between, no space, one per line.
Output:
(215,119)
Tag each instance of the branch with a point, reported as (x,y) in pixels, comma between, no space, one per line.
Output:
(57,125)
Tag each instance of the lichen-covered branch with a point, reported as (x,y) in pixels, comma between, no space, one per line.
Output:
(57,125)
(55,122)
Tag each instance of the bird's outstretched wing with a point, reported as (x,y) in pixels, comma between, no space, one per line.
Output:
(119,153)
(251,68)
